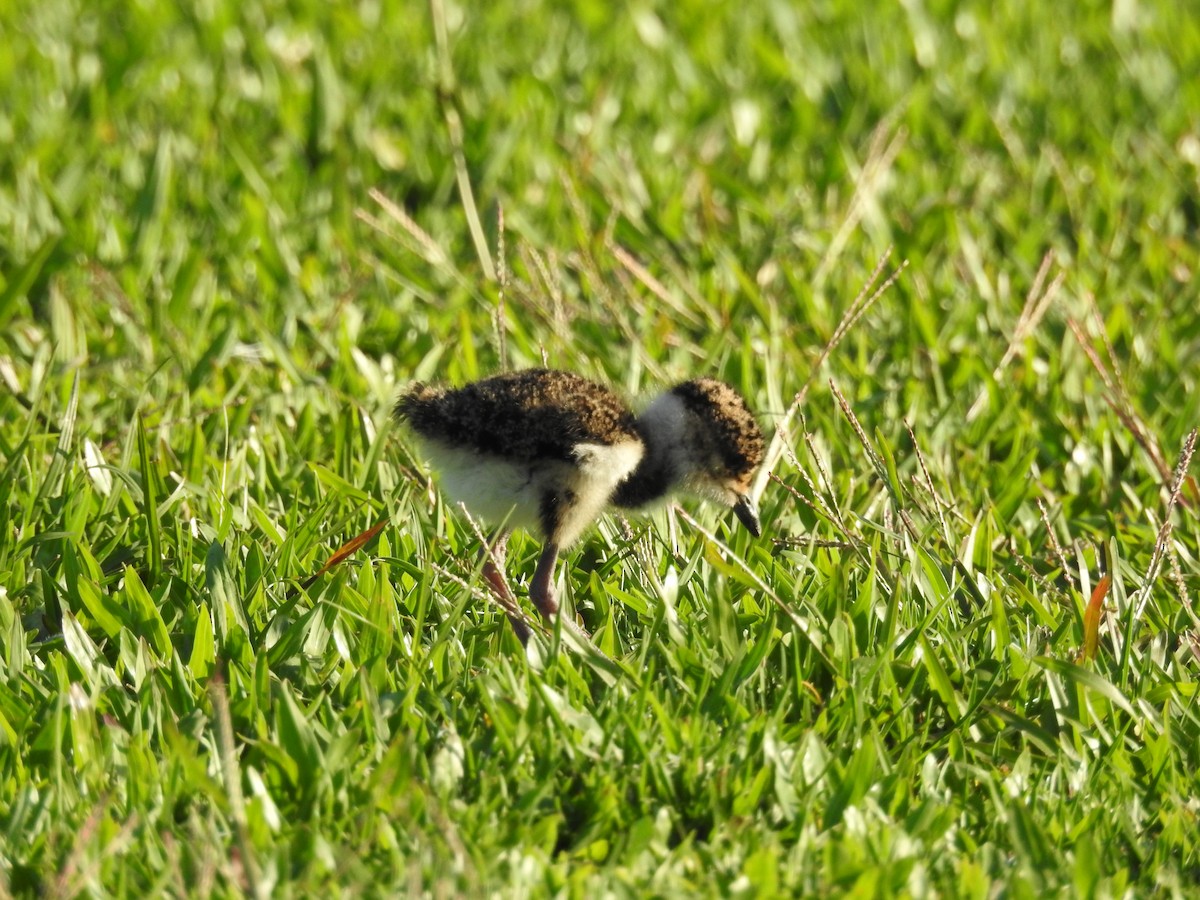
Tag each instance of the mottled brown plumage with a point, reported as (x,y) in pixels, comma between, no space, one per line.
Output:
(732,435)
(535,414)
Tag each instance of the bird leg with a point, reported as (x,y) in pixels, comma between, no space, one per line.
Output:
(493,573)
(493,564)
(541,589)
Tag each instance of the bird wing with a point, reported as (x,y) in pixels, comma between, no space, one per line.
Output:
(532,414)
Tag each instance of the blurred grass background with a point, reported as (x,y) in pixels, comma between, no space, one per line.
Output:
(229,233)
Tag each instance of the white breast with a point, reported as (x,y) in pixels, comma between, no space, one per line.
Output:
(499,490)
(601,468)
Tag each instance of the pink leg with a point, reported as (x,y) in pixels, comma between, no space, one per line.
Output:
(541,589)
(493,572)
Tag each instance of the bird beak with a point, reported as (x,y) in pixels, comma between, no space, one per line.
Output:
(747,512)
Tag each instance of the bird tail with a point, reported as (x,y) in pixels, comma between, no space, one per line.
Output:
(411,403)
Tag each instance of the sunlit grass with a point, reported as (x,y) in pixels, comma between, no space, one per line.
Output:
(229,234)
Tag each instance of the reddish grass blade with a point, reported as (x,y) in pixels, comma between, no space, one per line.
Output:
(1091,619)
(347,549)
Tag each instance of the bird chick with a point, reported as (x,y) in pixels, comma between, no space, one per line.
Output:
(547,451)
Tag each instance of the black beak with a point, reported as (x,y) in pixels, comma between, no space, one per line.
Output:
(747,512)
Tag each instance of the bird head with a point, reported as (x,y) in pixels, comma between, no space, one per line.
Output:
(713,442)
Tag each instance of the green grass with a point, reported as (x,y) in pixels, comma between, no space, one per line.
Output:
(206,312)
